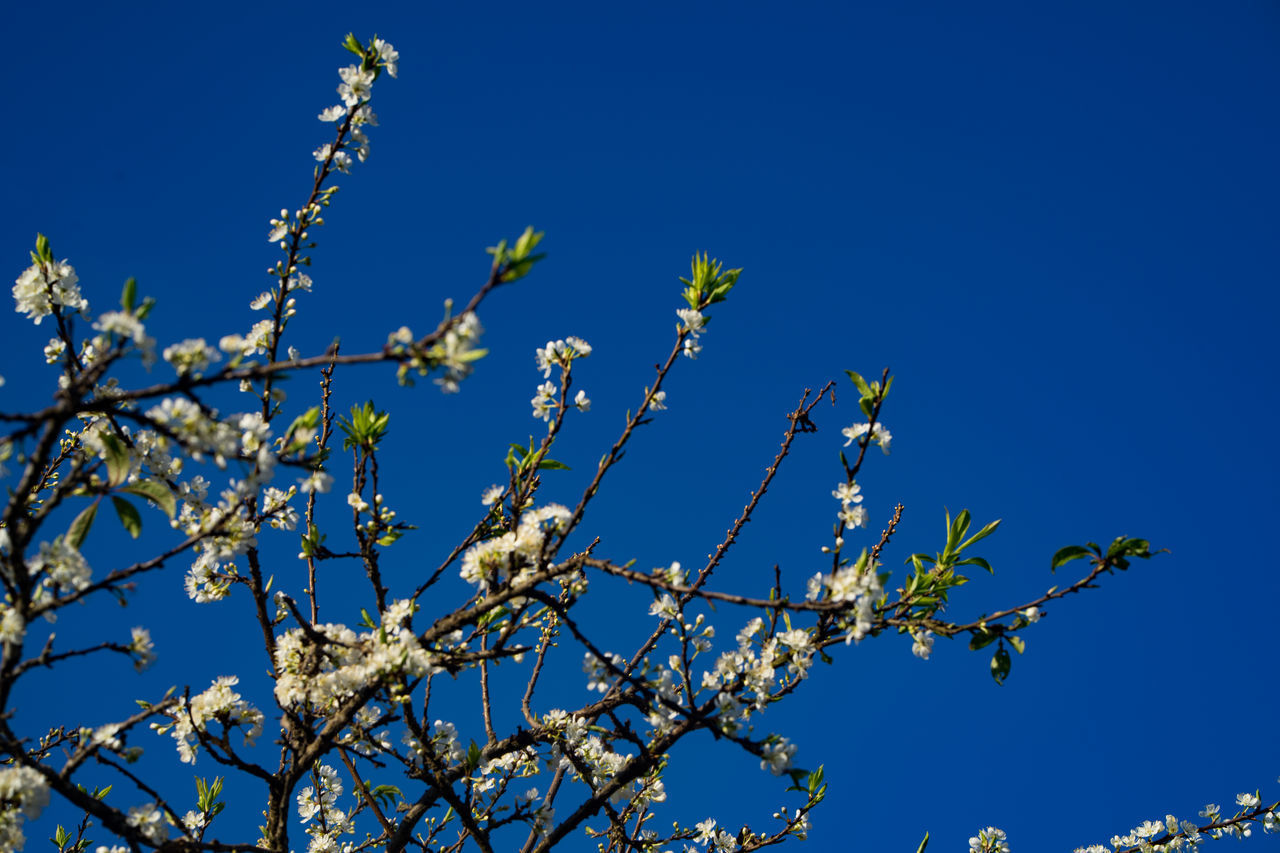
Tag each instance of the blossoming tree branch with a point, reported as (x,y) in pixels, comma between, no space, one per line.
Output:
(352,752)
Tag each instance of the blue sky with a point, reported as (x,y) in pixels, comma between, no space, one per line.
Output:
(1057,224)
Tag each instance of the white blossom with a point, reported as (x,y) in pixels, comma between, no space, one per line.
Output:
(776,756)
(42,286)
(388,56)
(356,85)
(880,435)
(219,704)
(989,840)
(192,356)
(544,402)
(922,645)
(24,793)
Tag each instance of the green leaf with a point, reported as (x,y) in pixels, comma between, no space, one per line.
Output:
(981,534)
(117,456)
(863,388)
(1000,665)
(815,780)
(156,492)
(552,465)
(518,260)
(1123,547)
(1019,644)
(976,561)
(982,639)
(365,428)
(1066,555)
(923,844)
(128,516)
(957,530)
(129,296)
(80,527)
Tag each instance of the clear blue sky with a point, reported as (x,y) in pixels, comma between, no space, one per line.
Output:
(1057,223)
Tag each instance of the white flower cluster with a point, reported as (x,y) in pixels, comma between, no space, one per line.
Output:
(859,585)
(318,676)
(989,840)
(852,513)
(129,327)
(495,775)
(693,322)
(218,704)
(663,710)
(355,90)
(448,748)
(12,628)
(597,763)
(456,352)
(776,755)
(571,727)
(320,804)
(54,350)
(922,643)
(544,402)
(227,528)
(256,342)
(234,532)
(755,672)
(599,675)
(515,552)
(880,435)
(200,434)
(745,671)
(496,772)
(561,354)
(24,793)
(142,648)
(494,778)
(275,506)
(191,356)
(800,643)
(362,737)
(1185,834)
(64,568)
(41,286)
(719,840)
(150,821)
(363,116)
(748,672)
